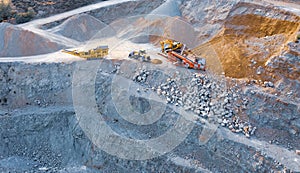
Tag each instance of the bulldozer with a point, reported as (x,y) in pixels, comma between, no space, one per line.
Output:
(140,55)
(98,52)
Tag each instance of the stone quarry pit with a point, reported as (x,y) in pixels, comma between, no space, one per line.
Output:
(62,113)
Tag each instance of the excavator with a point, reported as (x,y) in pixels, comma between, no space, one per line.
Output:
(168,44)
(181,55)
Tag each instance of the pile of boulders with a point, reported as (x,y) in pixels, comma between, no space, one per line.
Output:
(205,97)
(170,91)
(198,96)
(141,77)
(236,125)
(268,84)
(233,104)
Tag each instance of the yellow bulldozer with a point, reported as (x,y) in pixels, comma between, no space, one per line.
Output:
(98,52)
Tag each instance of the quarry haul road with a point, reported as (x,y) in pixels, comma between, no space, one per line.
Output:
(295,8)
(64,15)
(34,26)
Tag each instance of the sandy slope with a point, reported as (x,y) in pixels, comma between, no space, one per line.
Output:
(17,42)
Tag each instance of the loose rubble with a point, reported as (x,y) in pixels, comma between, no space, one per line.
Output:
(259,70)
(170,91)
(141,77)
(268,84)
(204,97)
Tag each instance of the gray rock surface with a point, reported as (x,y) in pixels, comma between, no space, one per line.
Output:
(45,135)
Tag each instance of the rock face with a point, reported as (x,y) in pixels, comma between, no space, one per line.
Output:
(276,113)
(15,41)
(250,35)
(79,27)
(22,86)
(41,133)
(209,18)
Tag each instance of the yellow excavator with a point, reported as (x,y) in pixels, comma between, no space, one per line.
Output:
(170,45)
(98,52)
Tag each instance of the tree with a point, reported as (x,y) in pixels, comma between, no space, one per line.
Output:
(5,12)
(25,17)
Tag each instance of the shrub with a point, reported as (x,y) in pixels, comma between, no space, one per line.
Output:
(25,17)
(5,12)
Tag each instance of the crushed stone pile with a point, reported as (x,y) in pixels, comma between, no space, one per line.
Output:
(204,97)
(169,8)
(80,27)
(152,28)
(15,42)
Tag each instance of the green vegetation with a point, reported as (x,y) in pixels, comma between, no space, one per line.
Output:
(25,17)
(7,14)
